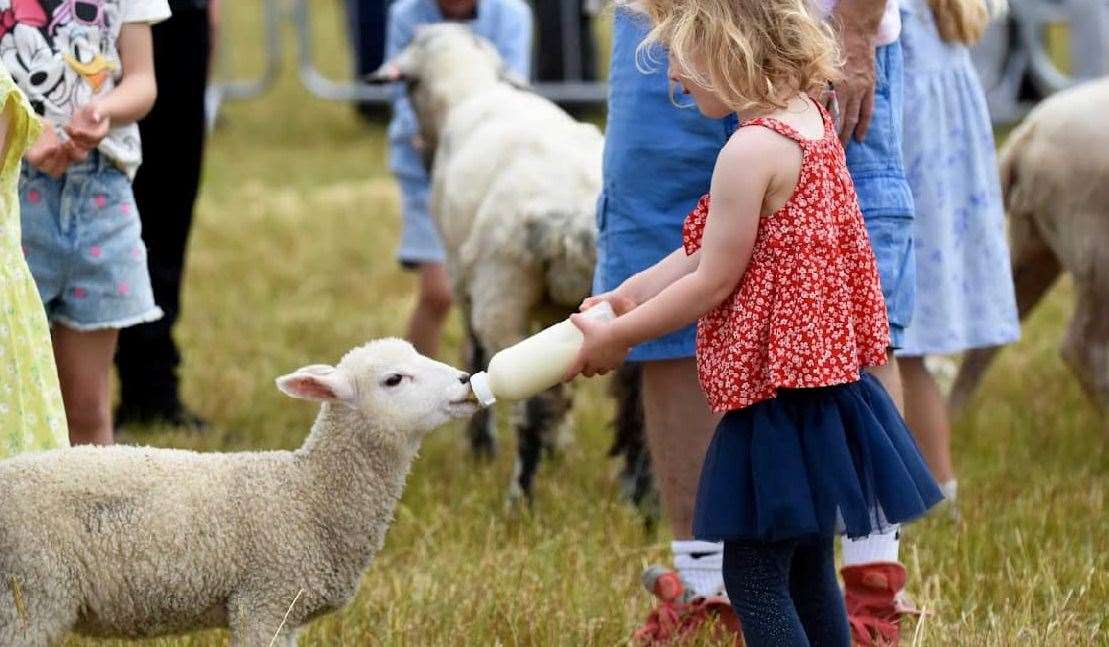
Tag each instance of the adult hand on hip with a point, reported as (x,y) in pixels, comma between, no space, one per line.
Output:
(858,22)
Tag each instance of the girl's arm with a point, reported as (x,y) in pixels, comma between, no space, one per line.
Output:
(743,174)
(642,286)
(127,102)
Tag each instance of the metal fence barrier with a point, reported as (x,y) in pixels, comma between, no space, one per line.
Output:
(1015,65)
(1012,56)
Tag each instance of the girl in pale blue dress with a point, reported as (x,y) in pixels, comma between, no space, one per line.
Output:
(964,283)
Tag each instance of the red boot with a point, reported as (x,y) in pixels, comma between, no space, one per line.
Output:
(680,614)
(874,602)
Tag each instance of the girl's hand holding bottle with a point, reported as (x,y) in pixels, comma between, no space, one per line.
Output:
(621,303)
(602,350)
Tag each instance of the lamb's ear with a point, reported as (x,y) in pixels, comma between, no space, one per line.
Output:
(515,80)
(390,72)
(319,382)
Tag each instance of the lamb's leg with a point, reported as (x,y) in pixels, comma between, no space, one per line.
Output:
(539,421)
(503,296)
(1035,269)
(261,623)
(1086,347)
(628,443)
(254,634)
(482,429)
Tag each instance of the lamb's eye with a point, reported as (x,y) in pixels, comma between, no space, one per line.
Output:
(393,380)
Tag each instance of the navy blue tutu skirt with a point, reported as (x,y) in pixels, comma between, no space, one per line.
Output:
(835,459)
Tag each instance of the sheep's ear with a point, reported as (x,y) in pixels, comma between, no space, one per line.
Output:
(318,382)
(515,80)
(389,72)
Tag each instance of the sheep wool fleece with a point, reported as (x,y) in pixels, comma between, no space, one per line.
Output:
(165,541)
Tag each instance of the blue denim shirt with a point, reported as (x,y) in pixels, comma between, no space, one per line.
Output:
(505,23)
(658,162)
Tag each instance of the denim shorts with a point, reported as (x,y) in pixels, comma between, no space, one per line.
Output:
(83,242)
(884,196)
(419,238)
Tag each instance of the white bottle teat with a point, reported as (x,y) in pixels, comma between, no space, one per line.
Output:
(536,363)
(479,384)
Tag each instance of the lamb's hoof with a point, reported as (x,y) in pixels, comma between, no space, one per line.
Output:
(483,449)
(517,498)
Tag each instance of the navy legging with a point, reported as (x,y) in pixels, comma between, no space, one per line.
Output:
(786,592)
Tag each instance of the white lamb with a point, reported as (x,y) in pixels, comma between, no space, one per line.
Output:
(138,542)
(514,186)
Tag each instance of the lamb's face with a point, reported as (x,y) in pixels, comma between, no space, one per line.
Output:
(393,385)
(441,47)
(436,66)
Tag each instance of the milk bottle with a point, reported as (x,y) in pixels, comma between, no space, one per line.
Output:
(536,363)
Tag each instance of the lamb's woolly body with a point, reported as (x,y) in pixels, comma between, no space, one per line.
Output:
(514,180)
(1054,172)
(514,185)
(138,541)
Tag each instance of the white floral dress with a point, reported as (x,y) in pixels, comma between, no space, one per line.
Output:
(964,295)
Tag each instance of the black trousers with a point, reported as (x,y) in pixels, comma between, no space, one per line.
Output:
(165,191)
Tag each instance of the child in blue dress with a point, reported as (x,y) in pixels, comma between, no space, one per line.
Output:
(965,293)
(508,25)
(778,270)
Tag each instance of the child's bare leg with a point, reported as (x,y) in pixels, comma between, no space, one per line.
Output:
(433,304)
(84,361)
(926,414)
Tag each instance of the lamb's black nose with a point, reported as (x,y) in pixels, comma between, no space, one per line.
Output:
(464,378)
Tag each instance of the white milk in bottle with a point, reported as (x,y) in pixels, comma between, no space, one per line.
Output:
(536,363)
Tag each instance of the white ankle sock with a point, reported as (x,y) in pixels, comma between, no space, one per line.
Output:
(699,563)
(877,547)
(949,489)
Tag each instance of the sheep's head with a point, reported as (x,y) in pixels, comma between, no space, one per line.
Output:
(403,392)
(444,64)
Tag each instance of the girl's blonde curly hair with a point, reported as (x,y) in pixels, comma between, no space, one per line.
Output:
(753,54)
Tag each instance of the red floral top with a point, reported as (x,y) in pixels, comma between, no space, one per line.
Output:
(808,311)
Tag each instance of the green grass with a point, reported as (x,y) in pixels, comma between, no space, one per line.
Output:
(292,263)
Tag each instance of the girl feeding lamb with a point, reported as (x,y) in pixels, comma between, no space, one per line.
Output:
(779,270)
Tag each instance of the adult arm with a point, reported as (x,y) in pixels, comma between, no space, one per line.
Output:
(857,22)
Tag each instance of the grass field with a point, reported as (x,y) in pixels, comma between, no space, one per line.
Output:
(291,263)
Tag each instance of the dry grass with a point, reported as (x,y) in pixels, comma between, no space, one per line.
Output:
(292,264)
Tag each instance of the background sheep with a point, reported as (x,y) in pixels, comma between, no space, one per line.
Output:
(514,184)
(136,541)
(1055,176)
